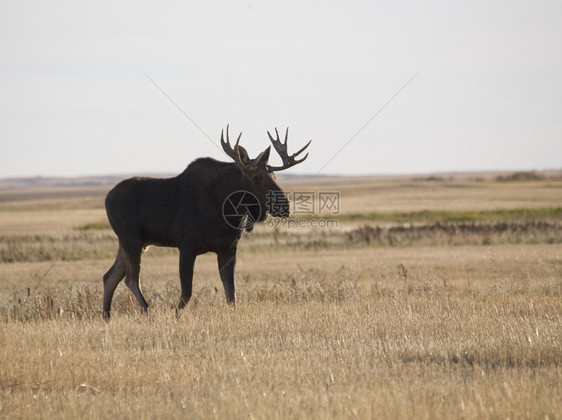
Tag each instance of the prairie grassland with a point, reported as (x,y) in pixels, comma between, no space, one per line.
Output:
(369,195)
(373,319)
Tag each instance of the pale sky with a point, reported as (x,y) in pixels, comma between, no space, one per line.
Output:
(75,99)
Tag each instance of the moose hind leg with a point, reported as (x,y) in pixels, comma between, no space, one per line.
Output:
(111,280)
(132,280)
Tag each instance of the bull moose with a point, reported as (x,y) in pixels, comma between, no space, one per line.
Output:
(188,212)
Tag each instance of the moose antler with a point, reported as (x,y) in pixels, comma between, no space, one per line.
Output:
(281,148)
(238,153)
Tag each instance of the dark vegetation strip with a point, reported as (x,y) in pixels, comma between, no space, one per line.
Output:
(94,226)
(459,233)
(433,216)
(422,216)
(99,245)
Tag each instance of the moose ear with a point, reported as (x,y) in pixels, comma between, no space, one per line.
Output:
(264,157)
(244,158)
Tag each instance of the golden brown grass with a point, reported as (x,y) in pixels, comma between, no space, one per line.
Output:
(348,330)
(424,352)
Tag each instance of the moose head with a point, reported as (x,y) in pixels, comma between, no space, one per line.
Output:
(260,176)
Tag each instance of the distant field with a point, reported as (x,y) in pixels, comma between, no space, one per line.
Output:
(430,297)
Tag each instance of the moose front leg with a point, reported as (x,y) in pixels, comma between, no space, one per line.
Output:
(187,261)
(227,260)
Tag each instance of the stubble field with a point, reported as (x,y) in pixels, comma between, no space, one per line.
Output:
(430,298)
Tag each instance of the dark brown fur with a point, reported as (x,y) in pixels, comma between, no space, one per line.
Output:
(184,212)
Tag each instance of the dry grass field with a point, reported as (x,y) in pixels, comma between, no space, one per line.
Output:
(430,298)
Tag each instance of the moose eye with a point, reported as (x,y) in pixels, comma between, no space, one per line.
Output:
(257,178)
